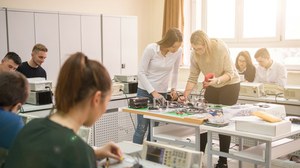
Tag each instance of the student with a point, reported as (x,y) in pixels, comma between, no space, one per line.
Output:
(10,62)
(212,56)
(245,67)
(160,60)
(32,68)
(269,71)
(13,93)
(82,94)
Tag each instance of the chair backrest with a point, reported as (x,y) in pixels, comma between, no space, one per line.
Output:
(3,155)
(85,133)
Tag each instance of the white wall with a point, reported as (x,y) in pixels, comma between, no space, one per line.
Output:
(149,12)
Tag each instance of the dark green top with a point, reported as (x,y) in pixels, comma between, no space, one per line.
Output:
(43,143)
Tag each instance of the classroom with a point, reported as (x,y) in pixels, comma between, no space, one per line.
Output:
(150,83)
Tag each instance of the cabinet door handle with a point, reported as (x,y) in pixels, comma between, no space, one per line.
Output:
(123,66)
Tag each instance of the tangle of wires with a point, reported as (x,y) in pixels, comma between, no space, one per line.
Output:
(277,95)
(131,118)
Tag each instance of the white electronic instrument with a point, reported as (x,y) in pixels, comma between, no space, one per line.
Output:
(117,88)
(39,84)
(40,91)
(171,156)
(126,78)
(292,92)
(277,110)
(272,89)
(251,89)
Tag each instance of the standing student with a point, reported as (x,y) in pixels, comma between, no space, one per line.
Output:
(13,93)
(269,71)
(212,56)
(245,67)
(32,68)
(159,64)
(10,62)
(82,94)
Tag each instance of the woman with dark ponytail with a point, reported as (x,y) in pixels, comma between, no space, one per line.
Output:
(82,94)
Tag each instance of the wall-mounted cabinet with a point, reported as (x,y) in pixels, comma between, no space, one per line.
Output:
(111,40)
(91,36)
(3,35)
(46,32)
(69,35)
(21,35)
(129,44)
(120,44)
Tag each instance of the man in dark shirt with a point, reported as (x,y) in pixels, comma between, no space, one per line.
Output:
(10,62)
(32,68)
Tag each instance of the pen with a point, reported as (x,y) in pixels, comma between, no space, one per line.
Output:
(107,163)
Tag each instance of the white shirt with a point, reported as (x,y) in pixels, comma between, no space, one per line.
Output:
(275,74)
(155,69)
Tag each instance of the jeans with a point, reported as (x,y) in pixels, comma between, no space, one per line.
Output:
(143,124)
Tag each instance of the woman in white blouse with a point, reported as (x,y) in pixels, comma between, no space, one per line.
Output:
(159,64)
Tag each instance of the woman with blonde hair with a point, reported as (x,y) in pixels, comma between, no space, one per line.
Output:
(82,94)
(211,56)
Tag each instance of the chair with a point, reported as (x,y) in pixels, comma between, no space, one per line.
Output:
(3,155)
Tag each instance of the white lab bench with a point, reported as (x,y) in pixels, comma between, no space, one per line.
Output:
(268,148)
(112,126)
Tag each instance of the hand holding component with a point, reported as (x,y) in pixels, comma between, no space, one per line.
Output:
(173,94)
(109,150)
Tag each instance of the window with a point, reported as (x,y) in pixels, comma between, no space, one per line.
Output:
(260,18)
(221,18)
(292,16)
(248,25)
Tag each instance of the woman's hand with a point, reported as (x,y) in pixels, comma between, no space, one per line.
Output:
(213,81)
(173,94)
(110,150)
(156,95)
(181,98)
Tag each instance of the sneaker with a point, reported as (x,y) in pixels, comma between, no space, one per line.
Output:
(221,165)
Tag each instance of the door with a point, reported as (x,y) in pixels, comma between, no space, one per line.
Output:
(91,36)
(21,33)
(3,36)
(69,34)
(129,45)
(112,44)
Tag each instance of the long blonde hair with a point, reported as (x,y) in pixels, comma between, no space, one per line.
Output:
(199,37)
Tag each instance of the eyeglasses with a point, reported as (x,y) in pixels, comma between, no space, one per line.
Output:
(196,49)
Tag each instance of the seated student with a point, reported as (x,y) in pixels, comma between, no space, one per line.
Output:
(245,67)
(10,62)
(32,68)
(52,142)
(13,93)
(269,71)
